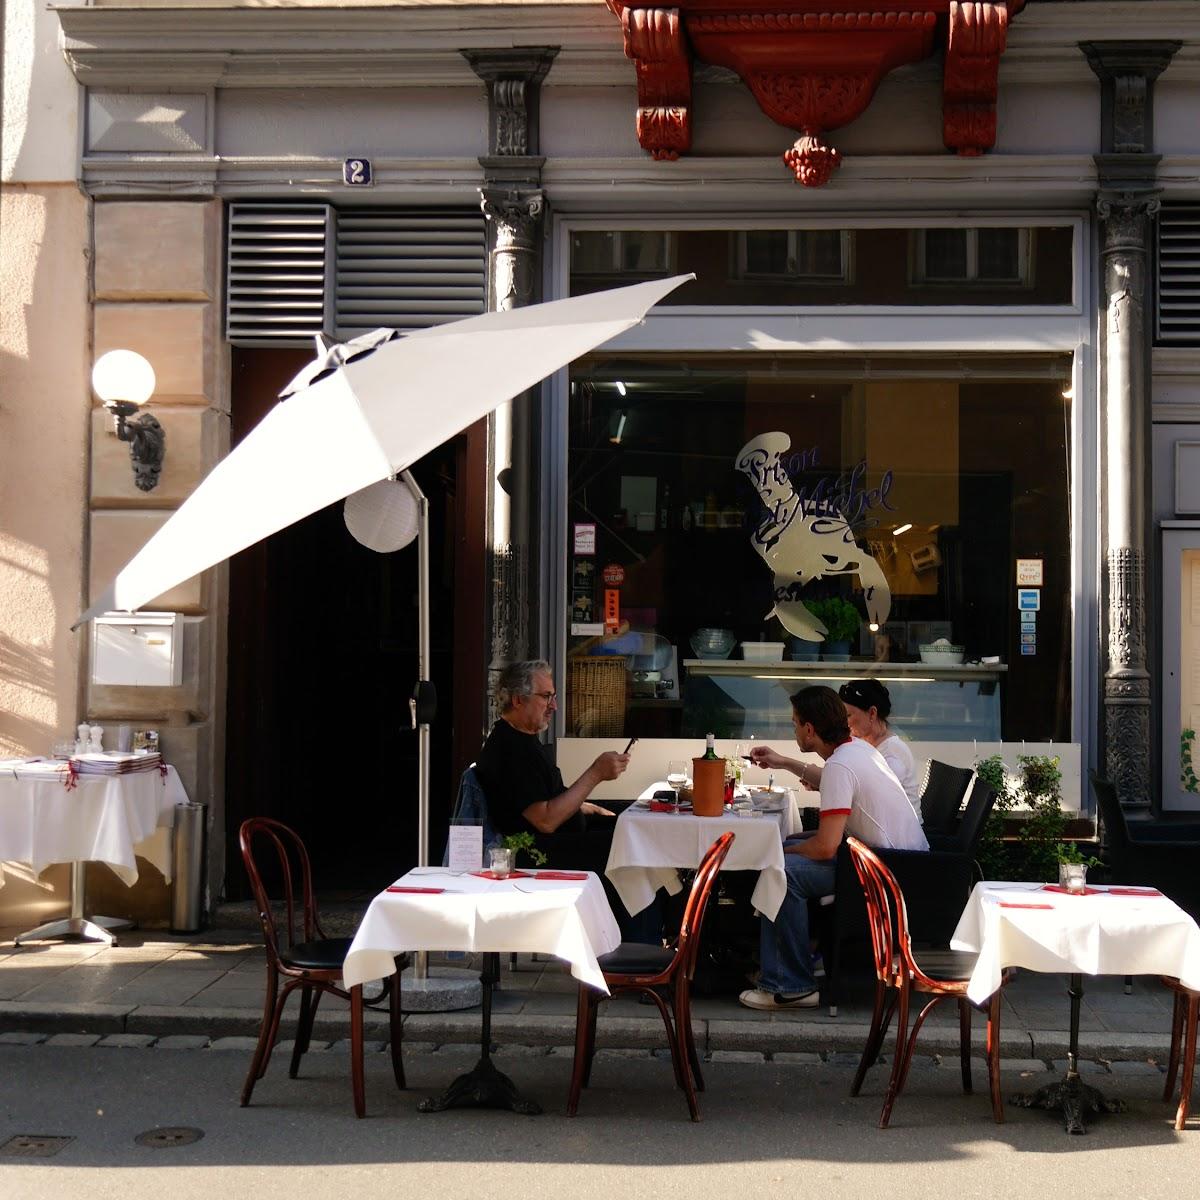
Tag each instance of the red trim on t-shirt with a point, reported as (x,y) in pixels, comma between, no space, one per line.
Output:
(835,812)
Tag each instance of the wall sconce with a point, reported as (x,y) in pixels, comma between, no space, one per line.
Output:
(124,381)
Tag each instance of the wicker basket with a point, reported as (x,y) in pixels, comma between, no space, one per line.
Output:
(596,696)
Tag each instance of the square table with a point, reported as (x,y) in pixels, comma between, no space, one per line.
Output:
(1109,930)
(648,848)
(100,818)
(532,911)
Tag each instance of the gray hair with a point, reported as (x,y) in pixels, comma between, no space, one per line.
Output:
(516,679)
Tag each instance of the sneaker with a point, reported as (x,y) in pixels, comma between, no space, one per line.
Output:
(771,1002)
(818,965)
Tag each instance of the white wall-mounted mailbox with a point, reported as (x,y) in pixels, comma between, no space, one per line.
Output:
(138,649)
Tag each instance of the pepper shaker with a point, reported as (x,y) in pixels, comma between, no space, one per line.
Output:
(96,740)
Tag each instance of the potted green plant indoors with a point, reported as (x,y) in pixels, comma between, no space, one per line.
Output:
(841,620)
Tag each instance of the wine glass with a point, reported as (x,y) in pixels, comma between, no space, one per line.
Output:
(677,773)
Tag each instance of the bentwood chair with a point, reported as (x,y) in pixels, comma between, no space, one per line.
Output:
(663,973)
(1184,1022)
(898,974)
(937,883)
(299,953)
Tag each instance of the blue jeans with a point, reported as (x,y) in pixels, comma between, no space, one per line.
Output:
(786,956)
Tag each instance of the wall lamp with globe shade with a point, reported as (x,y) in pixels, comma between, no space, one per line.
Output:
(124,381)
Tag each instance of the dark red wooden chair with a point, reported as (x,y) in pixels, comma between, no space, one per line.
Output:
(942,975)
(664,973)
(1184,1022)
(300,953)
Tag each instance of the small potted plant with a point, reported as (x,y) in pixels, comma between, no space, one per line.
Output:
(503,855)
(841,621)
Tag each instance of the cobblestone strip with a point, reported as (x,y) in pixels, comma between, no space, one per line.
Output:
(469,1050)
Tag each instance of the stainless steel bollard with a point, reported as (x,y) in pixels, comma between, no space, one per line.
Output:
(187,874)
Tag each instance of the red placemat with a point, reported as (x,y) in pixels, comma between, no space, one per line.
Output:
(420,891)
(560,874)
(1128,891)
(510,875)
(1014,904)
(1057,887)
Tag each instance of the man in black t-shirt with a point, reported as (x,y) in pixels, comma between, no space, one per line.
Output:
(524,790)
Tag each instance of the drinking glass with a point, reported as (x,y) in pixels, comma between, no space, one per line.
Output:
(500,860)
(1072,876)
(677,772)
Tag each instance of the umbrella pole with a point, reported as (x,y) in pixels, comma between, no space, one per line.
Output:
(421,961)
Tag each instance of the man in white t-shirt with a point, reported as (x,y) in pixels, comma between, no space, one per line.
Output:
(860,796)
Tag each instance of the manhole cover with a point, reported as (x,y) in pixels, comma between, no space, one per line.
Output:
(33,1145)
(171,1135)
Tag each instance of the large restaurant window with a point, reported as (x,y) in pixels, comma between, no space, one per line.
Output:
(732,518)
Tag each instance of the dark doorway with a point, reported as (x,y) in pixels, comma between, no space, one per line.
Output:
(322,660)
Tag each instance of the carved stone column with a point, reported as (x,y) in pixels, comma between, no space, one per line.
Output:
(514,205)
(1126,206)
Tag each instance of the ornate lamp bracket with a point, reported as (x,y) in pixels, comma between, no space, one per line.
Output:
(814,65)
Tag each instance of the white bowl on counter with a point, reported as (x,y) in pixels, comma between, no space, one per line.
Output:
(942,654)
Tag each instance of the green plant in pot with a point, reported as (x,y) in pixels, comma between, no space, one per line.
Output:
(521,843)
(841,620)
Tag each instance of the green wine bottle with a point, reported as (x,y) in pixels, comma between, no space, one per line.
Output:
(710,750)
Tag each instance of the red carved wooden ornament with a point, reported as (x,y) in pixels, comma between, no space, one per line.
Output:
(814,65)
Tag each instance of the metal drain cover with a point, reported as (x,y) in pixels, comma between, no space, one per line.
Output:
(169,1135)
(33,1145)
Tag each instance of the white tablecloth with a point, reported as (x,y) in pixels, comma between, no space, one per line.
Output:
(649,847)
(102,819)
(569,919)
(1101,934)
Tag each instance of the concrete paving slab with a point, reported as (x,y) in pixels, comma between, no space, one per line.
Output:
(127,1041)
(22,1037)
(72,1039)
(182,1041)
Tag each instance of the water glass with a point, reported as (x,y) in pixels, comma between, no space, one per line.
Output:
(1072,877)
(500,860)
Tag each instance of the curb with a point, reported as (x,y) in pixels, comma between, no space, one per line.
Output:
(765,1037)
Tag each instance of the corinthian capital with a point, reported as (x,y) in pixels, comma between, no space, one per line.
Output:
(515,212)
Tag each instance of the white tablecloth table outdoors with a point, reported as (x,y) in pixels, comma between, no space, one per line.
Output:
(648,848)
(1110,932)
(570,919)
(104,818)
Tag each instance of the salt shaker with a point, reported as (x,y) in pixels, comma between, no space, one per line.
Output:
(82,734)
(96,740)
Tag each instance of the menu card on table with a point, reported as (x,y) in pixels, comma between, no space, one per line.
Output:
(465,851)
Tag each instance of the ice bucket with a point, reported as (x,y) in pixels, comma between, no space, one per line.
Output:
(708,786)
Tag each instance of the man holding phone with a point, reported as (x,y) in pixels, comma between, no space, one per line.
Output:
(524,790)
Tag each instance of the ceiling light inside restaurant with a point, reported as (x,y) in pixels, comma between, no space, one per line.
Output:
(901,529)
(621,388)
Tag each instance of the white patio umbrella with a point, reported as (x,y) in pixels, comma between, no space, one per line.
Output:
(368,419)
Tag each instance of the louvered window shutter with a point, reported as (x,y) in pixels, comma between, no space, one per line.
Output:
(1179,275)
(277,273)
(408,269)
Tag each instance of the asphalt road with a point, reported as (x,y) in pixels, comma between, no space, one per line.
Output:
(767,1131)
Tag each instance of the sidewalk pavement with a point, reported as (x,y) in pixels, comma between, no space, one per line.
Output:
(210,986)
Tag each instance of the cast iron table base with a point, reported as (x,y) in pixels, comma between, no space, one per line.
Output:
(1071,1095)
(483,1086)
